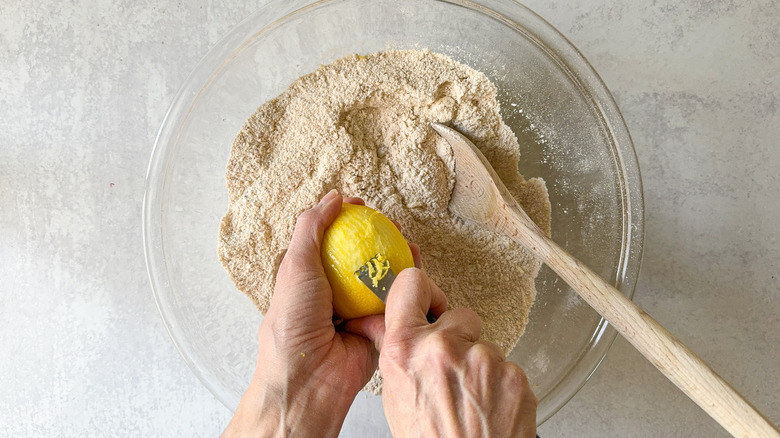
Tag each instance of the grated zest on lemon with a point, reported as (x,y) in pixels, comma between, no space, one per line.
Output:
(378,267)
(361,237)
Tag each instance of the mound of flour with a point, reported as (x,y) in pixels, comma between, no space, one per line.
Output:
(361,125)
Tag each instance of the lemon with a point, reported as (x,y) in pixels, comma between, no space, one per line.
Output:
(361,236)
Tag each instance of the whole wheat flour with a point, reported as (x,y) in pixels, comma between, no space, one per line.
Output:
(361,125)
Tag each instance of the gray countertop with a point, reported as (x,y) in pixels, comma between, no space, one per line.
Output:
(84,87)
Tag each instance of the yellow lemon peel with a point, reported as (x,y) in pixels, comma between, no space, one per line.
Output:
(361,237)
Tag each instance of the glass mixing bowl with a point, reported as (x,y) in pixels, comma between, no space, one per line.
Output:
(570,130)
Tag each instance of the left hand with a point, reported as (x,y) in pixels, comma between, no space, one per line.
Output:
(308,373)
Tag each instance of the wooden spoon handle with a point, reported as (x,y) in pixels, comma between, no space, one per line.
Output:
(676,361)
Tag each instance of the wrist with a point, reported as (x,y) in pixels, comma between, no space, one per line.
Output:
(268,410)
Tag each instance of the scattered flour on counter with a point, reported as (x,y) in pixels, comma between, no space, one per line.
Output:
(361,125)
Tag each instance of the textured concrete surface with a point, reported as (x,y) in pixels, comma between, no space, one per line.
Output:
(84,86)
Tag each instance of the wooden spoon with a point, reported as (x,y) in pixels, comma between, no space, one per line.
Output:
(480,197)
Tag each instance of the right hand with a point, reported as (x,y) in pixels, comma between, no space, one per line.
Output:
(440,379)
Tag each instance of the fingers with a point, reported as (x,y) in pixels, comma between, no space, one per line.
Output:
(488,350)
(461,323)
(416,255)
(354,201)
(371,327)
(493,348)
(306,240)
(411,296)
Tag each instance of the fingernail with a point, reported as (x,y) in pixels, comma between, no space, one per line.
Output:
(329,197)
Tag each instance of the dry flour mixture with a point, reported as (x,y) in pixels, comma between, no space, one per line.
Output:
(362,125)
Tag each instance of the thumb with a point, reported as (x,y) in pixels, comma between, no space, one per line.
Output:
(304,249)
(301,277)
(371,327)
(410,298)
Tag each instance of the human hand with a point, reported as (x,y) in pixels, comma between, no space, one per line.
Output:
(308,373)
(440,379)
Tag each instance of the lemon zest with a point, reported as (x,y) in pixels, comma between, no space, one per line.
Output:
(378,267)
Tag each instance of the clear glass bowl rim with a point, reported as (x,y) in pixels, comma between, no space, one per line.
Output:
(510,13)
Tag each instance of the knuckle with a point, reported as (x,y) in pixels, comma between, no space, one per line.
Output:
(468,316)
(516,375)
(410,276)
(483,352)
(306,219)
(438,351)
(391,354)
(481,363)
(517,378)
(436,342)
(440,341)
(464,320)
(484,360)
